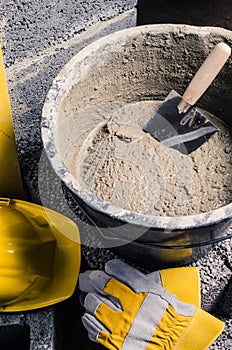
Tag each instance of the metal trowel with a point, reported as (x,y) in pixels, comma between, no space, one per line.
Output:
(177,123)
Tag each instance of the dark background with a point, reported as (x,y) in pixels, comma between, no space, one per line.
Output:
(217,13)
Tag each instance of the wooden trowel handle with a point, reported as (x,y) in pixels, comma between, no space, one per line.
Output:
(204,76)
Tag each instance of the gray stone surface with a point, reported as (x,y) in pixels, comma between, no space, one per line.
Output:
(216,273)
(31,26)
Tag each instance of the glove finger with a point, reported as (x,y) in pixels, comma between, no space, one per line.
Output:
(93,301)
(103,309)
(155,276)
(125,273)
(119,268)
(93,326)
(133,278)
(93,281)
(82,298)
(85,284)
(115,302)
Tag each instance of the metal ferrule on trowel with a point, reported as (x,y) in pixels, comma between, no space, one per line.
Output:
(194,118)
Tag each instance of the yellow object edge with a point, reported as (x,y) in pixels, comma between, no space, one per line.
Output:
(10,176)
(184,282)
(203,330)
(67,260)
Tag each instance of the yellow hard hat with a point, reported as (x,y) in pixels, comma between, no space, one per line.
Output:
(39,256)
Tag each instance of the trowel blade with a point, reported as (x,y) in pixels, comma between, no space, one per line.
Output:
(183,132)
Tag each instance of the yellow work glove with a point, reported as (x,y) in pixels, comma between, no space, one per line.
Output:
(126,309)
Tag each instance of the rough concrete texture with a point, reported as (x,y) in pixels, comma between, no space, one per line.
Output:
(38,38)
(216,273)
(31,26)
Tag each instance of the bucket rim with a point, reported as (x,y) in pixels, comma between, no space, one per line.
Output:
(50,117)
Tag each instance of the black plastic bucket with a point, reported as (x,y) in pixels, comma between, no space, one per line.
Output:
(150,239)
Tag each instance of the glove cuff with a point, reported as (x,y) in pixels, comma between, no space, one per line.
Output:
(184,282)
(202,331)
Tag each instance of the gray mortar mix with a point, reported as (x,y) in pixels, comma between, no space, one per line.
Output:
(127,167)
(37,41)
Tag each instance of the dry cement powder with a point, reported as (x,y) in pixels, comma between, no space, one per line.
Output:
(127,167)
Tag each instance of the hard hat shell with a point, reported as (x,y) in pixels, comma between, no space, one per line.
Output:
(39,256)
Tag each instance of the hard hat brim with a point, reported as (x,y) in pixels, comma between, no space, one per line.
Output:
(67,257)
